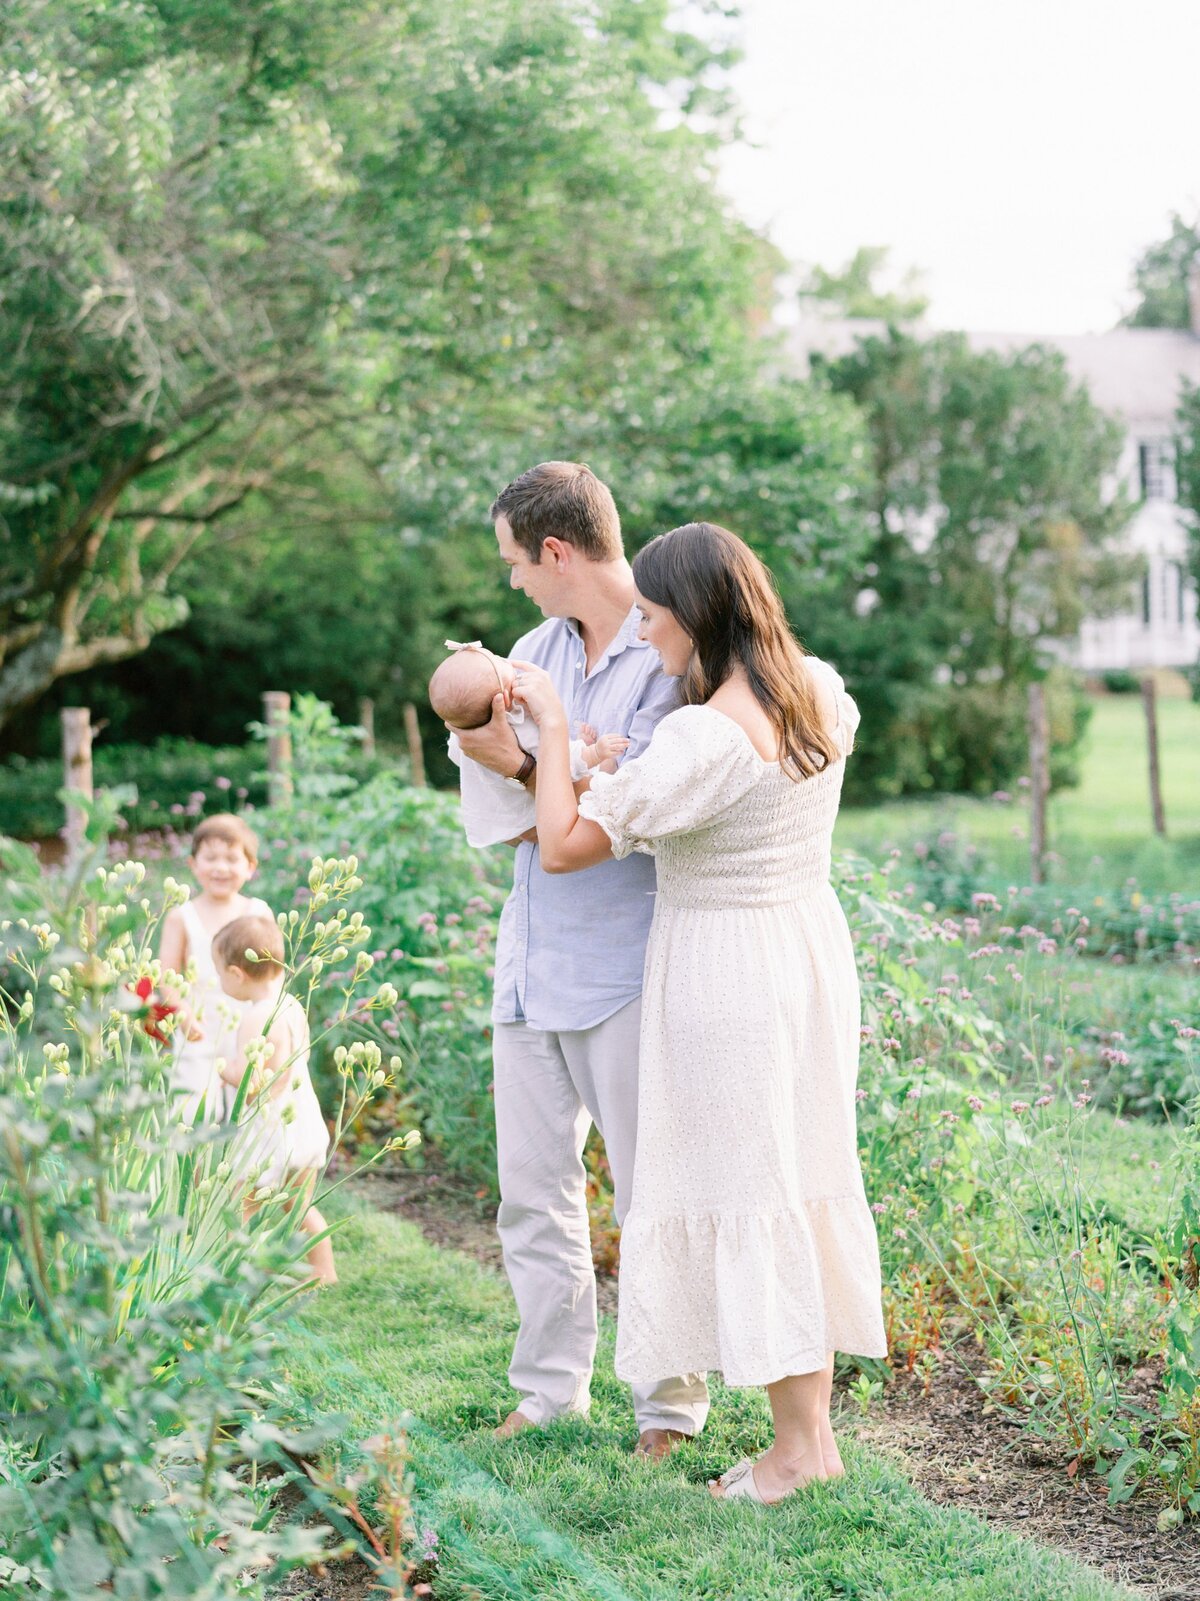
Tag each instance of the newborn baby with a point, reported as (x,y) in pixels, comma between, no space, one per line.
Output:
(494,808)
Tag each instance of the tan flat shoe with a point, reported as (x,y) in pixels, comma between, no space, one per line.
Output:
(738,1484)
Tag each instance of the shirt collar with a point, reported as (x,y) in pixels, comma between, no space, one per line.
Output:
(626,637)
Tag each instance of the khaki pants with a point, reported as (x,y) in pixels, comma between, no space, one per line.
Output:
(549,1089)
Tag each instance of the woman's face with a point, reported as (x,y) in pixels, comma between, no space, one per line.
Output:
(660,628)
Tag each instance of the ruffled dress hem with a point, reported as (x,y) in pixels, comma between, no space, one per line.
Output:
(762,1296)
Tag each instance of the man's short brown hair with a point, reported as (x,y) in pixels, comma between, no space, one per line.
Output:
(253,933)
(564,500)
(230,830)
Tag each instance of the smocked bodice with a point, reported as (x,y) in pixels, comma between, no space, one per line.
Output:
(771,846)
(726,828)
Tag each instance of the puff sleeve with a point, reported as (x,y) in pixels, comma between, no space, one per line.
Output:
(698,764)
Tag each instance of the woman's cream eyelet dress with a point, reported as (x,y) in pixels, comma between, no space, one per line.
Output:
(749,1247)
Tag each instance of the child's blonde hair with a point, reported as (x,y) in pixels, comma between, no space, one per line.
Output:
(255,933)
(230,830)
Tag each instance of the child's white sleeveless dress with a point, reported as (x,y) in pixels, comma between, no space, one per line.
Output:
(749,1246)
(284,1134)
(195,1069)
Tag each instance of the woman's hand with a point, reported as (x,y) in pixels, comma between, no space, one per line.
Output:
(534,689)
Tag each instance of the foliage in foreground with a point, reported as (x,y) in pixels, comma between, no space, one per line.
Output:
(140,1346)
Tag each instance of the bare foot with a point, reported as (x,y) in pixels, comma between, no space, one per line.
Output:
(655,1445)
(830,1455)
(513,1424)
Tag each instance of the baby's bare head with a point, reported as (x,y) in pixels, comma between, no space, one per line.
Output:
(462,687)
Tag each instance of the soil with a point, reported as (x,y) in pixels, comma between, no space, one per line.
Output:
(349,1580)
(956,1449)
(959,1452)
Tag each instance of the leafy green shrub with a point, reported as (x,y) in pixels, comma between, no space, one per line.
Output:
(176,782)
(979,1136)
(1120,682)
(139,1348)
(431,902)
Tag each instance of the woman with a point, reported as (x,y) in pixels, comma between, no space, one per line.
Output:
(749,1246)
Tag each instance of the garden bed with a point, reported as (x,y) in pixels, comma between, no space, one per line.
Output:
(564,1512)
(955,1448)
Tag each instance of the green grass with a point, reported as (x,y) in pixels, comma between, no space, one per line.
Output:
(1101,831)
(1128,1171)
(564,1514)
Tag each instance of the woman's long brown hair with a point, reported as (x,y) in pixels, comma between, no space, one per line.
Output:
(723,596)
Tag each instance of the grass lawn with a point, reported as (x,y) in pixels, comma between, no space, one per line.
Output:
(564,1514)
(1100,832)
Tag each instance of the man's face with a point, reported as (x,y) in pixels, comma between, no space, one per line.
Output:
(541,580)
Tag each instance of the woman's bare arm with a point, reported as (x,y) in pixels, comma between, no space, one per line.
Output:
(566,841)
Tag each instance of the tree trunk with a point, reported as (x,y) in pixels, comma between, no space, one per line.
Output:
(366,719)
(1150,703)
(35,668)
(1039,781)
(416,754)
(77,771)
(276,705)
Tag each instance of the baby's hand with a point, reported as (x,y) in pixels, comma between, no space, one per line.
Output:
(587,733)
(608,747)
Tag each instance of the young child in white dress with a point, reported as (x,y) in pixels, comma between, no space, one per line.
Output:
(282,1139)
(495,809)
(224,857)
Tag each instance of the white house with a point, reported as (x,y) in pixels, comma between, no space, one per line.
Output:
(1135,375)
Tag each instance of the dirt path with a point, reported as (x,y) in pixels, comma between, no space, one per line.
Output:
(956,1451)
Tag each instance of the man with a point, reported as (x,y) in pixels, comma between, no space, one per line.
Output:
(569,959)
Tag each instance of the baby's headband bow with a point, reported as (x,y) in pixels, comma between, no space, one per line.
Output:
(475,644)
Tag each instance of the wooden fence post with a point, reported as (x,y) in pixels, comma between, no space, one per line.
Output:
(416,754)
(1039,780)
(77,770)
(276,706)
(1150,704)
(366,721)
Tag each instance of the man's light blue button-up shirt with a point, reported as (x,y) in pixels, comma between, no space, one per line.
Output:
(571,946)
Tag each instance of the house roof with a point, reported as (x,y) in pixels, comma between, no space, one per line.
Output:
(1132,373)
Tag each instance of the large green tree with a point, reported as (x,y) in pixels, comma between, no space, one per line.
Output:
(293,285)
(993,536)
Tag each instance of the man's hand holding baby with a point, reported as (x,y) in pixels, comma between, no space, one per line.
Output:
(494,745)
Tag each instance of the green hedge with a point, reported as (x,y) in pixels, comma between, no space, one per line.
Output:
(174,773)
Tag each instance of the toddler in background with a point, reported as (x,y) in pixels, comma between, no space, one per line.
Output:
(496,809)
(282,1139)
(224,857)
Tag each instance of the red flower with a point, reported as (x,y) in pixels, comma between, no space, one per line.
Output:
(152,1012)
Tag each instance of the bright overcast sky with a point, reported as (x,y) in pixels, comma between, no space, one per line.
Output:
(1020,153)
